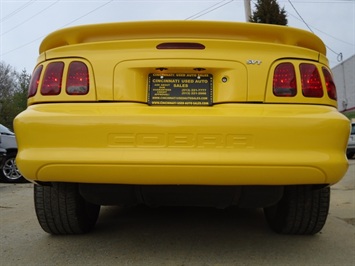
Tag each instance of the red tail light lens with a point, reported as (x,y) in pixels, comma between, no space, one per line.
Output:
(331,88)
(284,83)
(78,79)
(52,80)
(311,82)
(35,81)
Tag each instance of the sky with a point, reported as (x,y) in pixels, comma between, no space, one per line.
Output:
(24,23)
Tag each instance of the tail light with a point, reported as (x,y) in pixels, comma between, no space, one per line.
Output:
(284,83)
(77,79)
(311,82)
(332,93)
(35,81)
(52,80)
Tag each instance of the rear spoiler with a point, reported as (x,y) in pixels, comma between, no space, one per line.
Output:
(252,32)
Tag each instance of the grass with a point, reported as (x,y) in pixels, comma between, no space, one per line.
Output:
(350,114)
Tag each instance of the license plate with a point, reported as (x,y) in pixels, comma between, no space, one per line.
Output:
(180,89)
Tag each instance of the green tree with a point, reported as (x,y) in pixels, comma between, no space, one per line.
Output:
(20,95)
(13,93)
(269,12)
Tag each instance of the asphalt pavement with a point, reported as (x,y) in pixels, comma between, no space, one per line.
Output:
(176,236)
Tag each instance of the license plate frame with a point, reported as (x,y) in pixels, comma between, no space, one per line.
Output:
(180,89)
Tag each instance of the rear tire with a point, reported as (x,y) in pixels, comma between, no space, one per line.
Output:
(301,211)
(61,210)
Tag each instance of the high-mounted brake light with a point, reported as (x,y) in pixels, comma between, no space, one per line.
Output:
(181,45)
(35,81)
(284,83)
(331,89)
(311,82)
(52,79)
(78,79)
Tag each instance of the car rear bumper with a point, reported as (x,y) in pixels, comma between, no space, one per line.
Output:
(230,144)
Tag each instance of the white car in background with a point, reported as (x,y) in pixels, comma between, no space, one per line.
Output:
(9,172)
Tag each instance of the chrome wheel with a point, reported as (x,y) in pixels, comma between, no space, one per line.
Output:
(9,171)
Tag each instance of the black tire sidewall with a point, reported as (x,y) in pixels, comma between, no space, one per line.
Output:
(61,210)
(301,211)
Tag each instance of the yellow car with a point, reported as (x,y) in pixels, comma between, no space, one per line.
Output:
(196,113)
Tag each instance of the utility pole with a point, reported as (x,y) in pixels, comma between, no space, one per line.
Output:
(247,10)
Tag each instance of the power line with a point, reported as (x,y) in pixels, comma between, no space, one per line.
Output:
(300,16)
(24,45)
(339,55)
(197,15)
(35,15)
(325,33)
(88,13)
(208,10)
(17,10)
